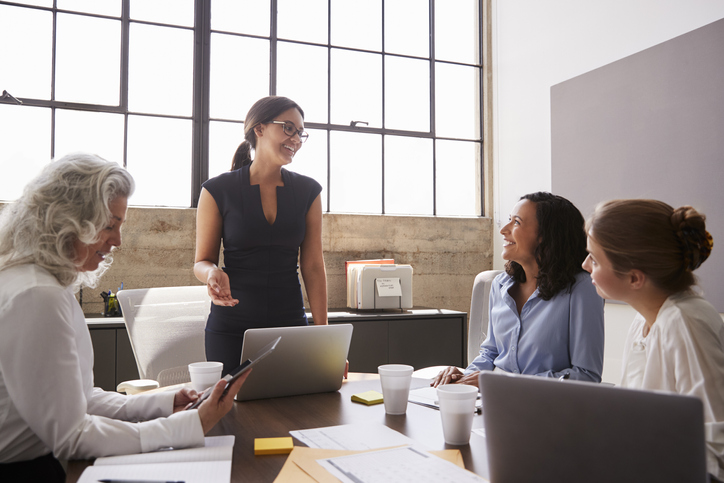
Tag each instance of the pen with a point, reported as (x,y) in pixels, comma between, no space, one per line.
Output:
(114,480)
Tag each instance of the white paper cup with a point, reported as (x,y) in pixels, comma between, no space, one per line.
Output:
(204,374)
(395,380)
(457,404)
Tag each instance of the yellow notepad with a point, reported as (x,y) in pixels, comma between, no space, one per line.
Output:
(283,445)
(369,398)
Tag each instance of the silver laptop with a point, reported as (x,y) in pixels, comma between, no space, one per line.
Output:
(540,429)
(308,359)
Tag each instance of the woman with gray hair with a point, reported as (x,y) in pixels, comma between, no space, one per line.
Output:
(55,238)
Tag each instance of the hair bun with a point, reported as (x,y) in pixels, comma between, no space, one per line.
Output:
(690,226)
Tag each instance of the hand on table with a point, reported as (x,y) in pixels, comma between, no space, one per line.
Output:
(452,375)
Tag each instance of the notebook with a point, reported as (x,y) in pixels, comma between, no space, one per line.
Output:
(540,429)
(308,359)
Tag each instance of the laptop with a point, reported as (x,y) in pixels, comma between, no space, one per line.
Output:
(307,360)
(541,429)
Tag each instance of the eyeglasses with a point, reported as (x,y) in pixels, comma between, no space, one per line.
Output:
(290,129)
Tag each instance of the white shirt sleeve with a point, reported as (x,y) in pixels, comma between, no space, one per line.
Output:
(46,364)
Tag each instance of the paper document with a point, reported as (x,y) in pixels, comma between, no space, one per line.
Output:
(192,472)
(356,437)
(427,396)
(210,463)
(302,466)
(407,464)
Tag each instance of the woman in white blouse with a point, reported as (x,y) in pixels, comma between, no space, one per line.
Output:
(643,252)
(57,236)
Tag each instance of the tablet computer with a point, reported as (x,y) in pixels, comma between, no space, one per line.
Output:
(236,373)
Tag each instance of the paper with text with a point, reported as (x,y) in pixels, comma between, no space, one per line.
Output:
(358,436)
(407,464)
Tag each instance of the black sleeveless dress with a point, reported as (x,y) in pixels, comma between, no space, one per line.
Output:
(260,259)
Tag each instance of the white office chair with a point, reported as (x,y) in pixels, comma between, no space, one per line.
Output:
(477,321)
(166,329)
(479,311)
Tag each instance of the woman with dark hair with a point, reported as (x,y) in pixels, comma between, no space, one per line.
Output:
(58,236)
(644,253)
(267,217)
(544,317)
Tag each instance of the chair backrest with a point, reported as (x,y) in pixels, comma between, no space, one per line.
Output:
(479,310)
(165,326)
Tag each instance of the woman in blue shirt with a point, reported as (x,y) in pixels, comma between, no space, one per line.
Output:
(545,317)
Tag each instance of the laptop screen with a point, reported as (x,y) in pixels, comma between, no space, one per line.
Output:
(541,429)
(310,358)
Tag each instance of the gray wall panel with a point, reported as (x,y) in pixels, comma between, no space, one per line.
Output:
(650,125)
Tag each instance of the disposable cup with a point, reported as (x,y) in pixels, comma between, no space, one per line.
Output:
(395,380)
(204,374)
(457,404)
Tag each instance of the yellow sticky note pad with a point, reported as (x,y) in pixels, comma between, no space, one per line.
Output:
(273,445)
(369,398)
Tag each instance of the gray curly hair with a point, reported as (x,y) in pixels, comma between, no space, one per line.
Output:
(68,201)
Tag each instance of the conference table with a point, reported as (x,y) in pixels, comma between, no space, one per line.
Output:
(268,418)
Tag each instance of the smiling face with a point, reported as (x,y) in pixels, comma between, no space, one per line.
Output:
(609,283)
(88,257)
(520,235)
(274,144)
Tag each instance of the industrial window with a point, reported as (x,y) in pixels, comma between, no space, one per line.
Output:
(391,90)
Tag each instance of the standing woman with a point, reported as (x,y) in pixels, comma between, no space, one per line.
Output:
(58,235)
(267,217)
(644,253)
(545,318)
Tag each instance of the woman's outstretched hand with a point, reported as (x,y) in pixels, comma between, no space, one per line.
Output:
(219,288)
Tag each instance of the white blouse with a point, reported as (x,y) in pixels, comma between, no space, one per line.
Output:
(683,353)
(47,399)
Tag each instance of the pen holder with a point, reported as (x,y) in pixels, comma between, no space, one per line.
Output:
(111,307)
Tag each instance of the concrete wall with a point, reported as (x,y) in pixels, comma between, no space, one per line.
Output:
(445,253)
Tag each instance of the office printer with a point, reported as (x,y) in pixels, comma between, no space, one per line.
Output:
(379,286)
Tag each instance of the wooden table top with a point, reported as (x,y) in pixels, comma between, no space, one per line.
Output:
(268,418)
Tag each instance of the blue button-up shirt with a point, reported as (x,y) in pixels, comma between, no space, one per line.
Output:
(550,337)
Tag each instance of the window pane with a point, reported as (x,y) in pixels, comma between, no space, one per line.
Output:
(174,12)
(99,133)
(159,154)
(456,31)
(26,66)
(312,160)
(408,176)
(356,173)
(88,71)
(456,177)
(102,7)
(407,94)
(407,27)
(313,25)
(242,17)
(25,146)
(224,138)
(160,70)
(357,24)
(40,3)
(239,75)
(308,90)
(356,91)
(457,101)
